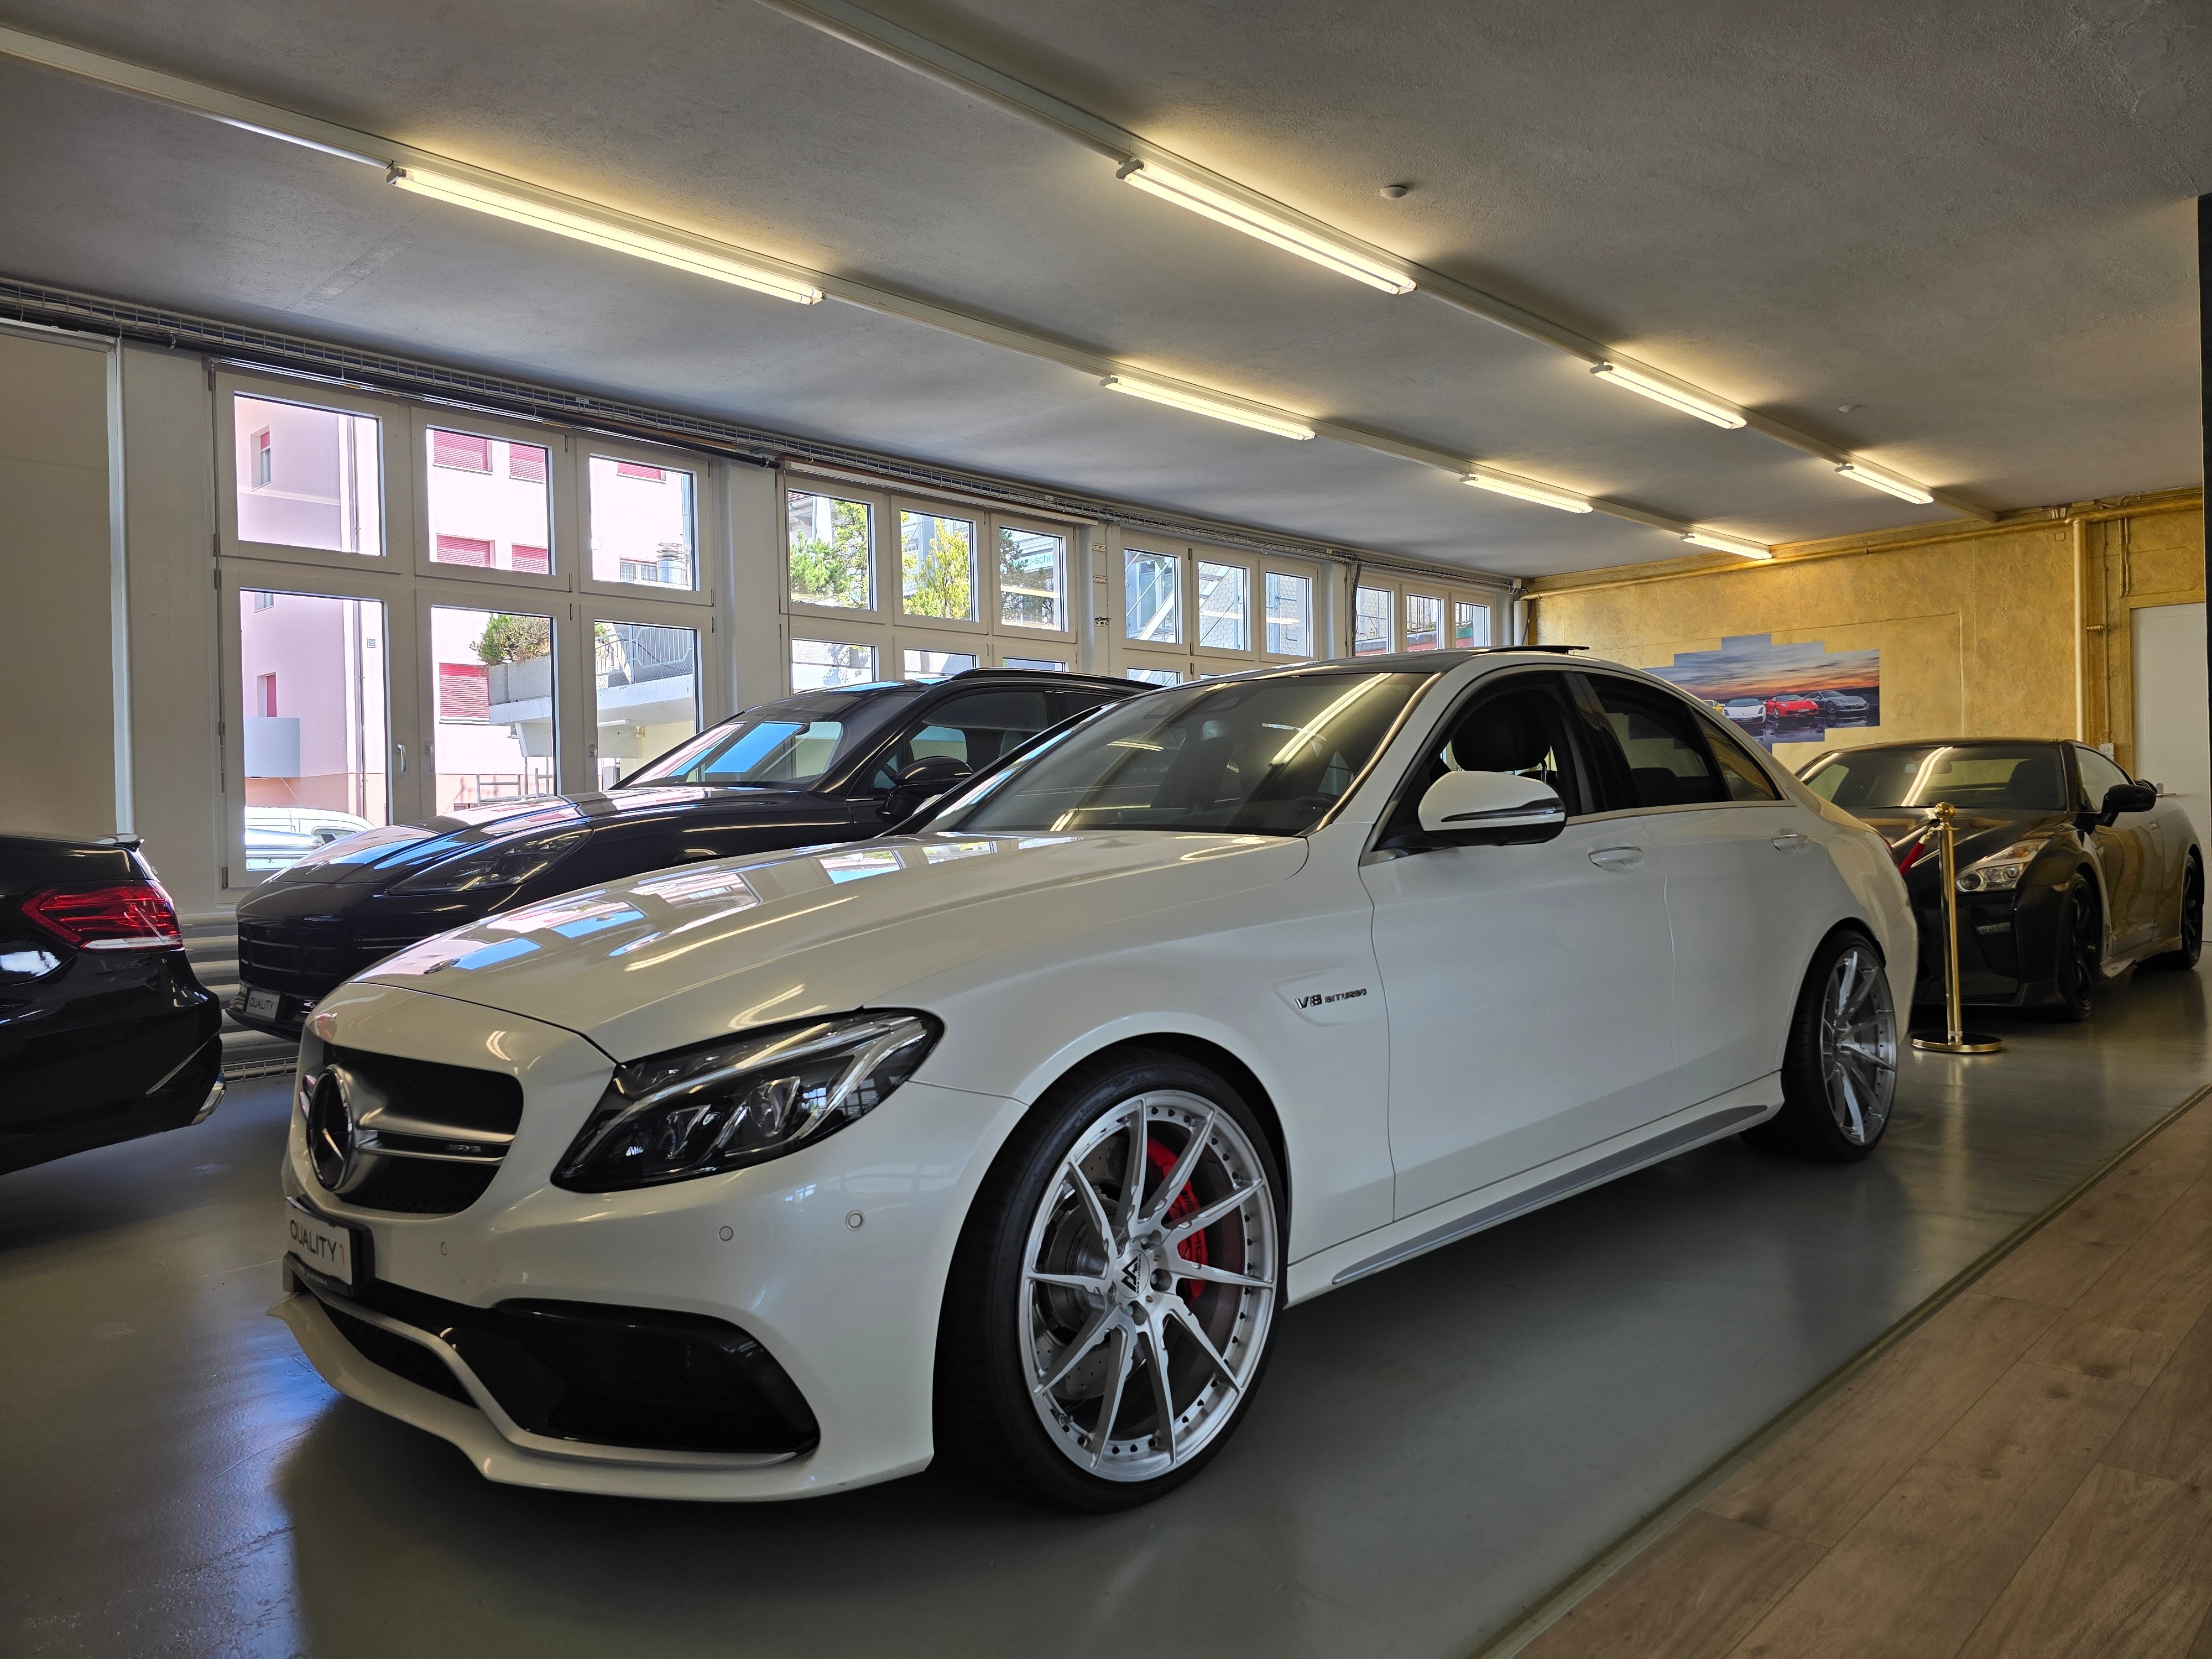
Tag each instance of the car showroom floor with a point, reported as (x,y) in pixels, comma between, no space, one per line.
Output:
(1435,1449)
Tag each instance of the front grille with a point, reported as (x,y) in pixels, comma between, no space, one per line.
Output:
(410,1361)
(295,958)
(425,1106)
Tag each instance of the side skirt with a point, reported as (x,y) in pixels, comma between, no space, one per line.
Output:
(1501,1201)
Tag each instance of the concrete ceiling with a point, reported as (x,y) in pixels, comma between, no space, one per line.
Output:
(1973,223)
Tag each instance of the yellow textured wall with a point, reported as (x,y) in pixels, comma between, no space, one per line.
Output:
(1994,630)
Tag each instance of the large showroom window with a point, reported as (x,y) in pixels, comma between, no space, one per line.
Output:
(1388,615)
(1191,611)
(881,584)
(532,613)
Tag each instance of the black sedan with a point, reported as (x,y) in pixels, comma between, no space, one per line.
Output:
(105,1033)
(2068,870)
(824,766)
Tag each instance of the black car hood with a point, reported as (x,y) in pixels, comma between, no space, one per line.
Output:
(377,859)
(1981,832)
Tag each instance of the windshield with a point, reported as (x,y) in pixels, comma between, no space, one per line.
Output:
(2021,777)
(779,745)
(1264,757)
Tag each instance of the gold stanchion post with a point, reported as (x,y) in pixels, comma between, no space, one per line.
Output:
(1954,1041)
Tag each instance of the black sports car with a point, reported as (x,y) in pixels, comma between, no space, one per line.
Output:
(105,1033)
(823,766)
(2068,870)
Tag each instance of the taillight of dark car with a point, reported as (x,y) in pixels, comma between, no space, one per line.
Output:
(134,915)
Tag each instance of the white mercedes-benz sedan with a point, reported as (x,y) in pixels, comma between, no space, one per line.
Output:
(1012,1135)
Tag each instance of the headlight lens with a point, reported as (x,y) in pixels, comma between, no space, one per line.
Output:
(2000,872)
(502,864)
(724,1105)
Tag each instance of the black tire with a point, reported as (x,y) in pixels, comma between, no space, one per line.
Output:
(1817,1110)
(987,1418)
(2077,965)
(2191,928)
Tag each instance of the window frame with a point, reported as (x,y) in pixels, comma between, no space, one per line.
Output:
(560,524)
(1622,782)
(1036,527)
(707,509)
(1315,612)
(878,506)
(707,709)
(1249,655)
(983,584)
(396,483)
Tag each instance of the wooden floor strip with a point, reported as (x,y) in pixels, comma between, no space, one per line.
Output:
(2170,1434)
(1689,1597)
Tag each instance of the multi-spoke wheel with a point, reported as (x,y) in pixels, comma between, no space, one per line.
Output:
(1111,1308)
(1839,1068)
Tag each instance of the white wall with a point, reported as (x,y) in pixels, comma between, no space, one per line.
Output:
(2171,717)
(57,744)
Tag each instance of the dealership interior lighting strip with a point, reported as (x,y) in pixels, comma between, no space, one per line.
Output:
(1337,253)
(857,27)
(1735,544)
(481,190)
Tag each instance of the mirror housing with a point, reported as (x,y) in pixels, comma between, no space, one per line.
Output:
(2126,798)
(918,782)
(1479,809)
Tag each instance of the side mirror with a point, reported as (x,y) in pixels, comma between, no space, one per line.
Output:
(918,782)
(2128,798)
(1491,808)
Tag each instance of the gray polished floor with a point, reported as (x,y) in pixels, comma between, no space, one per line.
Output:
(1435,1449)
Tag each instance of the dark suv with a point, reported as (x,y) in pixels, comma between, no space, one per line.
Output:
(823,766)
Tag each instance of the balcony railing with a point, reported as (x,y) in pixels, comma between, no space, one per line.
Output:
(631,653)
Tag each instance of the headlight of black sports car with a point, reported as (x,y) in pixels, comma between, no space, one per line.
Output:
(2000,872)
(500,864)
(745,1100)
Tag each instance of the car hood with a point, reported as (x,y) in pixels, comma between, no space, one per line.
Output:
(682,955)
(376,859)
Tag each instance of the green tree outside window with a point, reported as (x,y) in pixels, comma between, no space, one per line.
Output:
(830,569)
(938,561)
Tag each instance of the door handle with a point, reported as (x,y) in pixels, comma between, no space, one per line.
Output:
(402,748)
(1616,858)
(1789,841)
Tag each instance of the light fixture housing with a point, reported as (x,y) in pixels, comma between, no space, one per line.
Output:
(1735,544)
(1343,257)
(1674,397)
(1888,483)
(1219,405)
(608,232)
(1527,489)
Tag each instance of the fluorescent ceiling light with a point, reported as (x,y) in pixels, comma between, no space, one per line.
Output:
(1528,489)
(1674,397)
(1340,257)
(1222,407)
(602,233)
(1735,544)
(1888,483)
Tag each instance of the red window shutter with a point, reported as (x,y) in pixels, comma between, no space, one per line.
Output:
(267,684)
(462,550)
(463,691)
(464,450)
(532,558)
(525,461)
(631,470)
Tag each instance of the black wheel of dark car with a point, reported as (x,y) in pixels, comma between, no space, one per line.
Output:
(1840,1067)
(2079,970)
(1111,1305)
(2191,928)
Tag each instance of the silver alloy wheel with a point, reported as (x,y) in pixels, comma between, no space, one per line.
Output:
(1146,1301)
(1858,1044)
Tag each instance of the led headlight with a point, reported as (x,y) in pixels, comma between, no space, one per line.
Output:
(2000,872)
(738,1101)
(502,864)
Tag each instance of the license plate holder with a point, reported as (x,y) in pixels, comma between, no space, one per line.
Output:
(263,1005)
(334,1249)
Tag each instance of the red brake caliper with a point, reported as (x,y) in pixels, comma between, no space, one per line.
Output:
(1186,1204)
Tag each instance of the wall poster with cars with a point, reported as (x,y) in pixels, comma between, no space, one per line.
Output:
(1773,694)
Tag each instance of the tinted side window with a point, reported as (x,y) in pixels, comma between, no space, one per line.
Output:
(1744,777)
(2097,775)
(972,727)
(1668,761)
(1520,727)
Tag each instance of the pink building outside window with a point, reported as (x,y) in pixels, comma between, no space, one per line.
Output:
(536,559)
(462,451)
(463,691)
(525,461)
(632,470)
(464,550)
